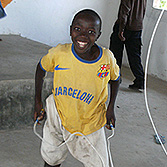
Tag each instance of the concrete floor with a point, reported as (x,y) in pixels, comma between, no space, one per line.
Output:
(133,144)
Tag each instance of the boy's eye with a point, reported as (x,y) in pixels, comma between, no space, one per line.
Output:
(91,32)
(77,29)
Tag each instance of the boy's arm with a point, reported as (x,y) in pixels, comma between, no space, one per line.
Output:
(110,115)
(38,93)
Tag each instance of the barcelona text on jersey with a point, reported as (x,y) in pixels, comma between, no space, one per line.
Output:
(74,93)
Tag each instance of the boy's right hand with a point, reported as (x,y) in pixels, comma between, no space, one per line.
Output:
(39,112)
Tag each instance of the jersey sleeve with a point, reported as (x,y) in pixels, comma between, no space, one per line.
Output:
(114,68)
(47,62)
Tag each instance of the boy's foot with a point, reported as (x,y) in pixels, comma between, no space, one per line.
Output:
(136,87)
(47,165)
(0,39)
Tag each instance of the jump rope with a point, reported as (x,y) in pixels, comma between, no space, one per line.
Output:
(146,103)
(66,141)
(145,82)
(108,138)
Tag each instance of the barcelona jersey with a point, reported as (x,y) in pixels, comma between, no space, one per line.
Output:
(80,87)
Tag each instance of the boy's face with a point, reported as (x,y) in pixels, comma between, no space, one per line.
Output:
(84,31)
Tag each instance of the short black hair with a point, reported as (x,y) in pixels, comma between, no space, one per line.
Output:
(90,12)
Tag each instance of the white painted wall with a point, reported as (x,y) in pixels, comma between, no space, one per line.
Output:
(158,55)
(49,21)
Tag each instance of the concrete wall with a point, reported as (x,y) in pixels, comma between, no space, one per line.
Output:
(48,22)
(17,102)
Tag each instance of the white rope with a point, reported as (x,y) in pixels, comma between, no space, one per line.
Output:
(109,152)
(110,157)
(145,83)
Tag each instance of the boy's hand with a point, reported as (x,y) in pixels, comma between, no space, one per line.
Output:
(110,116)
(39,112)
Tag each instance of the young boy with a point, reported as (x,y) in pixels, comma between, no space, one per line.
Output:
(82,71)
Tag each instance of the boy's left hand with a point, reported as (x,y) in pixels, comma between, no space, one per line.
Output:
(110,116)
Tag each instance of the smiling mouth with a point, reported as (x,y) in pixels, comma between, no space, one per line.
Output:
(82,44)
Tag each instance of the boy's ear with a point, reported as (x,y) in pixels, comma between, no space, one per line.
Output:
(70,29)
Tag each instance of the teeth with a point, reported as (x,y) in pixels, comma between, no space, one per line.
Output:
(82,44)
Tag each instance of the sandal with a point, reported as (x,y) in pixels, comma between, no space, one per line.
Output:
(162,138)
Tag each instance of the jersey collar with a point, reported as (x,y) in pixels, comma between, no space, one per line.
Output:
(86,61)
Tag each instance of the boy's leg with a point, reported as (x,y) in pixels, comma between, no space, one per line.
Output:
(52,136)
(81,149)
(47,165)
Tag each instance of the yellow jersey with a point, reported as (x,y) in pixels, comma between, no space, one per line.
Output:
(80,87)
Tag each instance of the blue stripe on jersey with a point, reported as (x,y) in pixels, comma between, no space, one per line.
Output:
(41,65)
(85,61)
(118,76)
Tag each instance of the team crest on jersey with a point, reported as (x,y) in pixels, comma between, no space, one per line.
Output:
(104,71)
